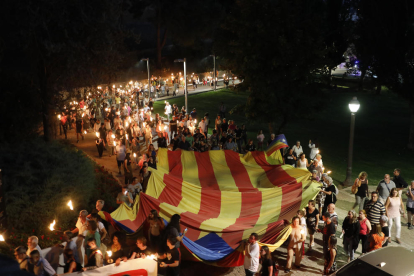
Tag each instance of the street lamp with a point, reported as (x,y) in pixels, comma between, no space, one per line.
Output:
(148,69)
(185,81)
(215,81)
(353,107)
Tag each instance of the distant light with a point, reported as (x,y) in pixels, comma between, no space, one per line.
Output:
(354,105)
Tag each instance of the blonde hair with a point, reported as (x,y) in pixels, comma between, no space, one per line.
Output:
(363,174)
(354,217)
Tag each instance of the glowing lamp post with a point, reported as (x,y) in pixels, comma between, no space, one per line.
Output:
(214,60)
(185,81)
(353,107)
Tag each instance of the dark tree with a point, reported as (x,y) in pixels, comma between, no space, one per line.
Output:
(180,22)
(279,47)
(59,45)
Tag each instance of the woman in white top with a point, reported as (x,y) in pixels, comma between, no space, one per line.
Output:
(302,162)
(260,139)
(319,158)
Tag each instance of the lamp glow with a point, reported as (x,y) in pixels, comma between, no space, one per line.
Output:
(354,105)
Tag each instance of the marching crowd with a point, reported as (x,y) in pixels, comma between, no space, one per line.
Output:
(92,248)
(125,128)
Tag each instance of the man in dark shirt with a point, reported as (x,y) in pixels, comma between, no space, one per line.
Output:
(175,141)
(183,144)
(250,146)
(399,181)
(224,126)
(172,263)
(223,139)
(327,231)
(290,158)
(198,135)
(140,250)
(173,128)
(193,114)
(239,141)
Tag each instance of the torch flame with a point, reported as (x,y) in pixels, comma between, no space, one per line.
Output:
(113,136)
(109,253)
(85,132)
(59,117)
(114,144)
(1,238)
(135,155)
(52,225)
(328,172)
(70,205)
(97,134)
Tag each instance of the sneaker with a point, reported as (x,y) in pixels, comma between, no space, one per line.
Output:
(287,270)
(411,227)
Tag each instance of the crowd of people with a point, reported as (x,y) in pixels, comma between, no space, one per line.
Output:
(125,127)
(92,248)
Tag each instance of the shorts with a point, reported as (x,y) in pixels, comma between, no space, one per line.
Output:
(410,210)
(311,230)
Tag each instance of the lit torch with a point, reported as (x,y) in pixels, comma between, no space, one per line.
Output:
(70,205)
(52,225)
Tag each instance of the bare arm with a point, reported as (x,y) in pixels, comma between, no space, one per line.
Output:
(387,203)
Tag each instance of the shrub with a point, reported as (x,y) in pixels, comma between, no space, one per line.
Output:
(39,179)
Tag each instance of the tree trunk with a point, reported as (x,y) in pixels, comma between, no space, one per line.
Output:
(411,135)
(270,126)
(282,125)
(160,41)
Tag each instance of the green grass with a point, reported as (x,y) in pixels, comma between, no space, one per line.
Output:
(381,129)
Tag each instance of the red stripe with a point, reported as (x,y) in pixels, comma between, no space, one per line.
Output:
(260,157)
(171,194)
(291,190)
(251,201)
(210,202)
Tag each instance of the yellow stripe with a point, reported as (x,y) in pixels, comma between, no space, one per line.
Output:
(191,191)
(271,196)
(162,157)
(230,197)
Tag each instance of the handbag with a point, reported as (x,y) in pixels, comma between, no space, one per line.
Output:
(355,187)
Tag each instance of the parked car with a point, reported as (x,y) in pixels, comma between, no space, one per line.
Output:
(390,260)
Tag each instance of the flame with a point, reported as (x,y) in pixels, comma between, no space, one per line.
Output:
(85,132)
(97,134)
(135,155)
(114,144)
(109,253)
(70,205)
(113,136)
(83,114)
(126,136)
(52,225)
(328,172)
(195,121)
(126,124)
(317,151)
(59,117)
(1,238)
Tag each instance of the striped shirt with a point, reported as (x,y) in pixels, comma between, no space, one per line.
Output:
(374,211)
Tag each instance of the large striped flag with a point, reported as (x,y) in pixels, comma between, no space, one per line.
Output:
(222,197)
(277,143)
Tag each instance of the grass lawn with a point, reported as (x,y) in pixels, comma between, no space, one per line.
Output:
(381,129)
